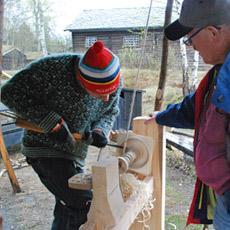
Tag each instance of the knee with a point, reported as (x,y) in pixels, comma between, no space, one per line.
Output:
(74,207)
(72,217)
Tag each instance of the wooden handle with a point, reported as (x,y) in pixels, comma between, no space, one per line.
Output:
(77,136)
(28,125)
(32,127)
(126,160)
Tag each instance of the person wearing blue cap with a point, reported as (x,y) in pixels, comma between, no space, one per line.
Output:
(205,26)
(64,95)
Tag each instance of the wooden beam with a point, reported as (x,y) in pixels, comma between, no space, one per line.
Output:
(158,171)
(183,143)
(10,171)
(108,209)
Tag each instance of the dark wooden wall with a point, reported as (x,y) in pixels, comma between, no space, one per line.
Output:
(114,41)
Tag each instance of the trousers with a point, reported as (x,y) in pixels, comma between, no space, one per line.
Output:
(221,219)
(72,205)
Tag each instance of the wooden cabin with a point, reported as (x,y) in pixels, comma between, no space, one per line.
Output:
(118,28)
(123,28)
(13,59)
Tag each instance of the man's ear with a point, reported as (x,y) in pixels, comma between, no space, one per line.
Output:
(213,30)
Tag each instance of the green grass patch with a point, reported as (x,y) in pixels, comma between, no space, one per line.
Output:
(172,193)
(179,222)
(147,78)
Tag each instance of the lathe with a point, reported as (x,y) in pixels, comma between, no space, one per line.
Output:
(119,204)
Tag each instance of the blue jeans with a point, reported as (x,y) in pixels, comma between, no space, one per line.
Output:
(222,213)
(72,205)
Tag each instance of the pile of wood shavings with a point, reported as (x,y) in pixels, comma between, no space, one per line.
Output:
(129,184)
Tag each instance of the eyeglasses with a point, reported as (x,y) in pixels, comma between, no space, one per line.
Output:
(188,40)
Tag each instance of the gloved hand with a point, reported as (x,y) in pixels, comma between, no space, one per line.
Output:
(60,132)
(96,137)
(60,135)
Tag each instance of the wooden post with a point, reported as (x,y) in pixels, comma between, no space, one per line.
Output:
(1,223)
(158,172)
(10,171)
(164,60)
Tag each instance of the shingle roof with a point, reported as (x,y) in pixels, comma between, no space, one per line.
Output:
(12,49)
(118,18)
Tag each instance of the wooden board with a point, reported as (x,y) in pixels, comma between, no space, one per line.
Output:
(181,142)
(156,132)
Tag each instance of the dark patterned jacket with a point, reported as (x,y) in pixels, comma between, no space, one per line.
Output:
(47,90)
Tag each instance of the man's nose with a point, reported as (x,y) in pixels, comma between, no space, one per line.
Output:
(105,97)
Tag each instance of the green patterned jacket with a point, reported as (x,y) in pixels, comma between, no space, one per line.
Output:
(47,90)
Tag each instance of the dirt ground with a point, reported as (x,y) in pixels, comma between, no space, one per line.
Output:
(32,208)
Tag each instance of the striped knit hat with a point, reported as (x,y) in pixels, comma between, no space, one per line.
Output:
(99,69)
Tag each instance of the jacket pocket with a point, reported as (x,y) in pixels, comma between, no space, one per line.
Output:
(214,129)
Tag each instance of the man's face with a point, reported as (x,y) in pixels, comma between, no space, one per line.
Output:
(103,97)
(208,43)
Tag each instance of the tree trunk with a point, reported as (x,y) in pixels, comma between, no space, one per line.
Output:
(34,5)
(41,38)
(183,53)
(37,7)
(194,71)
(164,60)
(1,32)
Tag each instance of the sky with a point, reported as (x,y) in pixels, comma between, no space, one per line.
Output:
(66,11)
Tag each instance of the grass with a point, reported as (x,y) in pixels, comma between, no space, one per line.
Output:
(176,199)
(148,80)
(172,193)
(178,222)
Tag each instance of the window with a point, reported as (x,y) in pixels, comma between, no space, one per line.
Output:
(131,41)
(89,40)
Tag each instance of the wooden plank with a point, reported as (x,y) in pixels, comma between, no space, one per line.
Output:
(183,133)
(156,132)
(181,142)
(81,181)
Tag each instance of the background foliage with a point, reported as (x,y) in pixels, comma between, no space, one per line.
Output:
(25,21)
